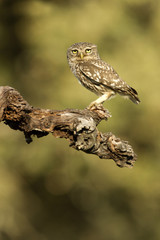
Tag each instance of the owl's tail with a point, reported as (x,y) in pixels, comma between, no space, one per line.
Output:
(133,95)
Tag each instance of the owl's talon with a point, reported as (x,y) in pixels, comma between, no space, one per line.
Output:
(100,110)
(94,106)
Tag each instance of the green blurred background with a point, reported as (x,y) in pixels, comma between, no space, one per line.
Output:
(48,190)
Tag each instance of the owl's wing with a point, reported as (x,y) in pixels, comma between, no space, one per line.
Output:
(100,73)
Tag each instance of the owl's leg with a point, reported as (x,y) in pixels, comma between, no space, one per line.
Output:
(101,99)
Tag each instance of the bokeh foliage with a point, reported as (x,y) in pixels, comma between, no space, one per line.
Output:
(48,190)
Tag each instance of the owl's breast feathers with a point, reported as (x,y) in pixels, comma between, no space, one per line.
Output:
(99,77)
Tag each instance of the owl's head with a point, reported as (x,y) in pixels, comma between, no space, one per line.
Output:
(82,51)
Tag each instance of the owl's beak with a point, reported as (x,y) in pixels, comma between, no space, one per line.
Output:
(81,55)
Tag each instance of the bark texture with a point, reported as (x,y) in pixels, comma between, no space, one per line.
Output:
(78,126)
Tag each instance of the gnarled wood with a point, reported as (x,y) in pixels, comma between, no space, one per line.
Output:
(79,126)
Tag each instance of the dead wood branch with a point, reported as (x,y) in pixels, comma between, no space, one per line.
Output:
(79,126)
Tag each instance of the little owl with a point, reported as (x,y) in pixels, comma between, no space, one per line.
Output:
(97,75)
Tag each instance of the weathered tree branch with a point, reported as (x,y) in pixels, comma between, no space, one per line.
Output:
(79,126)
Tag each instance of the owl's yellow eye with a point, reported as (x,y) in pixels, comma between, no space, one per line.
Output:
(74,51)
(88,50)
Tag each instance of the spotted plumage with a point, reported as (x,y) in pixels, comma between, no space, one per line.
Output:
(97,75)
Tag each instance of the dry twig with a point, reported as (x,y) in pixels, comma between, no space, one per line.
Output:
(79,126)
